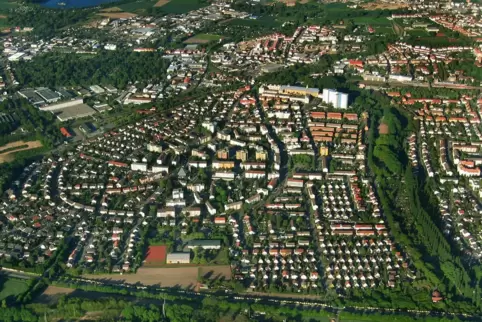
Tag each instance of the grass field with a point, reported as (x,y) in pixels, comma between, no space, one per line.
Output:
(137,6)
(418,33)
(202,39)
(7,152)
(8,4)
(182,6)
(262,22)
(11,287)
(374,22)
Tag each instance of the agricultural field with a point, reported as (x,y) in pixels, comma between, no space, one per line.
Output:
(7,152)
(182,6)
(168,276)
(202,39)
(11,287)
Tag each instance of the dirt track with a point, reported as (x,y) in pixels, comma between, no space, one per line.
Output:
(111,9)
(117,15)
(383,6)
(292,3)
(8,156)
(161,3)
(167,277)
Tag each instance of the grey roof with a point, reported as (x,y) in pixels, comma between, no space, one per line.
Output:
(178,256)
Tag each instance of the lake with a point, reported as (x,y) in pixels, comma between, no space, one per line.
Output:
(67,4)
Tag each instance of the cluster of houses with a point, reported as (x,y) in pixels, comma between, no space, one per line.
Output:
(395,64)
(324,225)
(449,144)
(306,45)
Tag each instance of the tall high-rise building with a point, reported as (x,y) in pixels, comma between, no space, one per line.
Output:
(335,98)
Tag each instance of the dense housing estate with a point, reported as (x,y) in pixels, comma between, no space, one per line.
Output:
(327,156)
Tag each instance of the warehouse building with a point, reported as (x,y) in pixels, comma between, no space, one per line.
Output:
(178,258)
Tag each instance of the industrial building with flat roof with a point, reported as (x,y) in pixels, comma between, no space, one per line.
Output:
(74,112)
(31,96)
(48,95)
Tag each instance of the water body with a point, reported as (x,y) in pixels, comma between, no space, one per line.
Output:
(69,4)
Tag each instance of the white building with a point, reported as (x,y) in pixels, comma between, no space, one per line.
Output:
(335,98)
(138,166)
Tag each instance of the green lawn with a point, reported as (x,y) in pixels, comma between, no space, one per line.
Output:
(209,37)
(11,287)
(418,33)
(135,6)
(182,6)
(203,38)
(372,21)
(7,4)
(4,23)
(263,22)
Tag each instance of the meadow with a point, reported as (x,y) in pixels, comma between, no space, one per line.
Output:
(182,6)
(11,287)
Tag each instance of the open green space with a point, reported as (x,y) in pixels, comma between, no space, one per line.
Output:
(209,37)
(438,41)
(262,22)
(11,287)
(336,7)
(8,4)
(372,21)
(183,6)
(203,38)
(137,6)
(4,24)
(418,33)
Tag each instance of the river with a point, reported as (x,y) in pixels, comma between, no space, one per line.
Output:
(69,4)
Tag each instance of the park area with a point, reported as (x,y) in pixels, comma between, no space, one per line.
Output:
(185,277)
(7,152)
